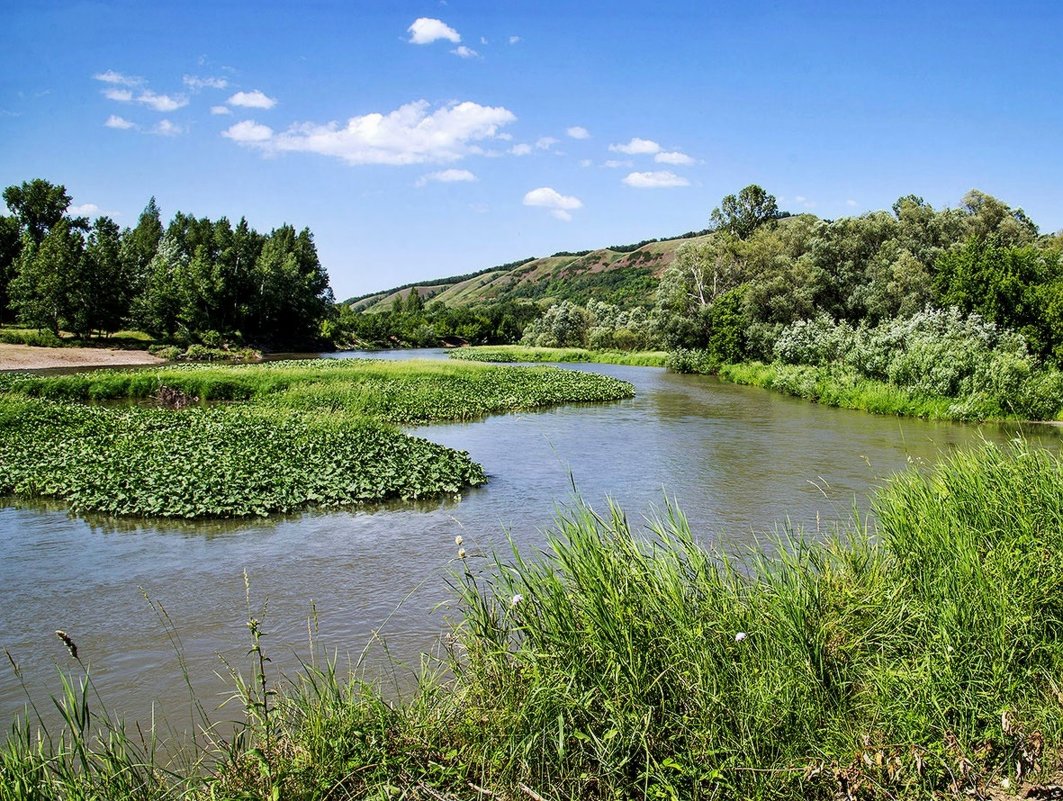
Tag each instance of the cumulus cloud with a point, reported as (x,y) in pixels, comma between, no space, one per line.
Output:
(121,95)
(520,150)
(84,210)
(196,83)
(637,147)
(249,132)
(464,52)
(578,132)
(220,110)
(409,135)
(119,123)
(425,30)
(118,78)
(586,163)
(616,164)
(514,39)
(674,157)
(662,179)
(446,177)
(167,128)
(161,103)
(548,198)
(255,99)
(545,142)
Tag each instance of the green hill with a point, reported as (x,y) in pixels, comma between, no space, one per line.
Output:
(622,274)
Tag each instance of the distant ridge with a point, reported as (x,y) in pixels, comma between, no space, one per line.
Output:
(618,273)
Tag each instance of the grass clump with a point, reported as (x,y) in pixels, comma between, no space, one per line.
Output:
(295,434)
(525,353)
(920,659)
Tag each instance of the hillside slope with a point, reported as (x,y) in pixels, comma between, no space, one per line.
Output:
(616,275)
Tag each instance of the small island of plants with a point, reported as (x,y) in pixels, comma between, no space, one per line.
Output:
(229,441)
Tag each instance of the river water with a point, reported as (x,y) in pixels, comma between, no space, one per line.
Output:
(738,461)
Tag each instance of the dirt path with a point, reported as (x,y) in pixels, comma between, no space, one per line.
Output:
(27,357)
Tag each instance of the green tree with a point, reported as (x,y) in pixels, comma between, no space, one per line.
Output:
(38,206)
(157,308)
(741,215)
(48,281)
(10,246)
(105,290)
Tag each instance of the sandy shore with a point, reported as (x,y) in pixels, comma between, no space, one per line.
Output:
(27,357)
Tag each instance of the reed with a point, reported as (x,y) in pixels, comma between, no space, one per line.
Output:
(918,656)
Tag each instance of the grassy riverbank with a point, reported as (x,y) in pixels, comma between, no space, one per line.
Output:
(524,353)
(922,659)
(289,435)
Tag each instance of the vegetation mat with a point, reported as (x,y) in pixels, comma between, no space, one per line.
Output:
(292,434)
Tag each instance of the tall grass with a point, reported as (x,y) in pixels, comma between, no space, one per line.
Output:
(921,657)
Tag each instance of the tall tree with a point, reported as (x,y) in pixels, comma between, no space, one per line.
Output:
(38,206)
(106,287)
(47,287)
(742,215)
(10,246)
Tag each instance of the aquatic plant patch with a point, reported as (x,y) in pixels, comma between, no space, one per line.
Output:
(217,462)
(289,435)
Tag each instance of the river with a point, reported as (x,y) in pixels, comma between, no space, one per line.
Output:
(738,461)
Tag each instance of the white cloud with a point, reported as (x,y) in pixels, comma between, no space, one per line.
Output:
(121,95)
(674,157)
(851,203)
(161,102)
(545,143)
(196,83)
(220,110)
(464,52)
(447,177)
(586,163)
(615,164)
(662,179)
(120,123)
(249,132)
(118,78)
(167,128)
(514,39)
(520,150)
(637,147)
(549,198)
(255,99)
(408,135)
(505,137)
(483,40)
(84,210)
(425,30)
(578,132)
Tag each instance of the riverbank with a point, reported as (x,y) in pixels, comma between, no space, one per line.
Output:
(919,659)
(31,357)
(524,353)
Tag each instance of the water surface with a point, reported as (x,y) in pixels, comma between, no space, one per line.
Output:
(737,460)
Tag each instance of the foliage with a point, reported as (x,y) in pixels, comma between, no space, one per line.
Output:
(306,433)
(740,216)
(523,353)
(194,277)
(909,658)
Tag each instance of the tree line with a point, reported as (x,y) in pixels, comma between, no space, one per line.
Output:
(192,280)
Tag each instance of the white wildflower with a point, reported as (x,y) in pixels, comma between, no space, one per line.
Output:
(740,636)
(516,599)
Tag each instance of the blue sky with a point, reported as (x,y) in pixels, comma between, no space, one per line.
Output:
(424,139)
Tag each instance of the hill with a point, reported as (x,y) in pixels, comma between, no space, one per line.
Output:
(621,274)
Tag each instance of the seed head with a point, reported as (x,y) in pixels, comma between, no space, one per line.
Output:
(740,636)
(516,599)
(461,553)
(458,540)
(69,643)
